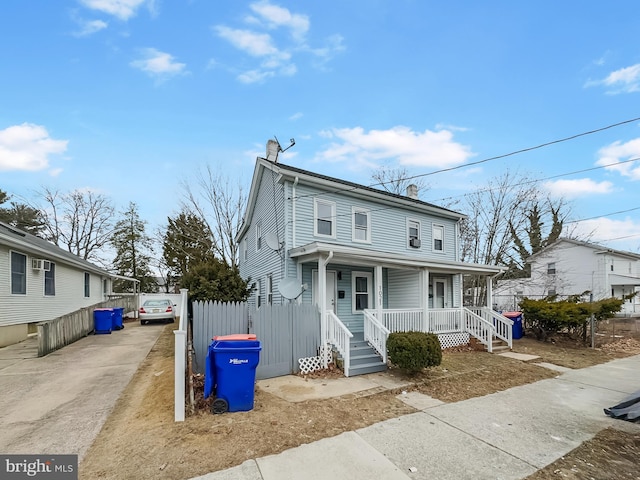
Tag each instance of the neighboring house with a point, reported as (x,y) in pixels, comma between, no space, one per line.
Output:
(39,281)
(372,261)
(571,267)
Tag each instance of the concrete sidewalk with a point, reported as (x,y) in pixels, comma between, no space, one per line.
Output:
(58,403)
(506,435)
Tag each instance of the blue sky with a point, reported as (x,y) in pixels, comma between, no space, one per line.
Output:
(131,97)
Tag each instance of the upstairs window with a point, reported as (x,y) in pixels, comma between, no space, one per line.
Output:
(50,280)
(87,284)
(361,225)
(18,273)
(269,290)
(413,233)
(258,236)
(325,218)
(438,238)
(258,294)
(551,268)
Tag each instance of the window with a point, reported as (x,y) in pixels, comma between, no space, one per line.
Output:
(325,214)
(18,273)
(413,233)
(551,268)
(50,280)
(551,292)
(258,236)
(612,266)
(245,249)
(361,225)
(105,287)
(258,294)
(87,284)
(361,285)
(438,238)
(269,290)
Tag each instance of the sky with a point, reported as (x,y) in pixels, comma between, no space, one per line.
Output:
(131,98)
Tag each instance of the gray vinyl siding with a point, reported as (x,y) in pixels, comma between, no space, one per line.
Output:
(404,289)
(35,306)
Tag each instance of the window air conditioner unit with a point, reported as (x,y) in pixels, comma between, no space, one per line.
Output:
(414,242)
(36,264)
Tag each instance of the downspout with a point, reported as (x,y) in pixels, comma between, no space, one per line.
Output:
(293,212)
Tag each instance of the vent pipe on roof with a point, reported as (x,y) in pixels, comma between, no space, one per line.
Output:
(273,148)
(412,191)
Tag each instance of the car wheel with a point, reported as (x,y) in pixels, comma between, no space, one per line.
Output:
(219,405)
(143,322)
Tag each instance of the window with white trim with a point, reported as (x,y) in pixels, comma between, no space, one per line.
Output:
(361,231)
(258,236)
(245,250)
(438,238)
(18,273)
(551,268)
(258,294)
(324,218)
(50,280)
(269,290)
(413,233)
(361,286)
(87,284)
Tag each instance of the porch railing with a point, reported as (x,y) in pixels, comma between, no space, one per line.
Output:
(479,328)
(445,320)
(339,336)
(402,320)
(376,334)
(503,325)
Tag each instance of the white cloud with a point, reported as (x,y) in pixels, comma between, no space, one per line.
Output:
(276,16)
(122,9)
(27,147)
(625,80)
(620,234)
(255,44)
(408,148)
(296,116)
(619,152)
(158,64)
(577,188)
(54,172)
(254,76)
(89,27)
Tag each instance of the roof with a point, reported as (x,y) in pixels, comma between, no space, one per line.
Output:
(599,249)
(14,238)
(336,185)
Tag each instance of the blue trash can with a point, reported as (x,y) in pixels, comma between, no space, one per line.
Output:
(516,317)
(117,320)
(102,320)
(232,369)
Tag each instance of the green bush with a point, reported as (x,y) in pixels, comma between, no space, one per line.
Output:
(413,351)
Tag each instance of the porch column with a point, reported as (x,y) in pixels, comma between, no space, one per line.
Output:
(461,306)
(322,303)
(489,292)
(424,299)
(379,293)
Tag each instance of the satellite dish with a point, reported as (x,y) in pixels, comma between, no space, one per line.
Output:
(290,288)
(272,241)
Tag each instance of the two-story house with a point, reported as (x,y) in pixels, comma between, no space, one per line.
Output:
(572,267)
(372,261)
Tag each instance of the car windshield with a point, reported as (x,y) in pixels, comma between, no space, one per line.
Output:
(156,303)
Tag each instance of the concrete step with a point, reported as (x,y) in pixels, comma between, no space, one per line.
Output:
(361,359)
(367,368)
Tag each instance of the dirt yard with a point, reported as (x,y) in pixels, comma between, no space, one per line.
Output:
(140,439)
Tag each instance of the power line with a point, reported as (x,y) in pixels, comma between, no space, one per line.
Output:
(603,215)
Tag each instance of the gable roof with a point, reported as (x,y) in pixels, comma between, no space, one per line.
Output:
(599,249)
(19,240)
(335,185)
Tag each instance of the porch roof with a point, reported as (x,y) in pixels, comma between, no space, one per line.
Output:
(369,257)
(624,280)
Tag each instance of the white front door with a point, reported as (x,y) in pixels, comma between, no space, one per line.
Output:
(440,292)
(331,289)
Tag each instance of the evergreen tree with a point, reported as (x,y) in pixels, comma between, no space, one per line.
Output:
(186,242)
(132,247)
(216,280)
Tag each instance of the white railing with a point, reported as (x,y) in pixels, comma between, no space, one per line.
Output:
(479,328)
(180,360)
(340,336)
(445,320)
(402,320)
(503,325)
(376,334)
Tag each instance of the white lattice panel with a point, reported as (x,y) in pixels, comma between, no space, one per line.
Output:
(448,340)
(309,364)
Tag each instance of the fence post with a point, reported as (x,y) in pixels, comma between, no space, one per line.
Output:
(180,353)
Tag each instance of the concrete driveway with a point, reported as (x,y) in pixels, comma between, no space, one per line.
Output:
(57,404)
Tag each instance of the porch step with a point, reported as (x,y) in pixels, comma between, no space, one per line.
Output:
(499,346)
(367,368)
(364,358)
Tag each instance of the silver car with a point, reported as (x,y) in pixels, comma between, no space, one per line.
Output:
(160,309)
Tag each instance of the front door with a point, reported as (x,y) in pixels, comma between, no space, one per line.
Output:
(331,289)
(440,289)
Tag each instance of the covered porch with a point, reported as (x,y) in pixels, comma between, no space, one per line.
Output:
(364,295)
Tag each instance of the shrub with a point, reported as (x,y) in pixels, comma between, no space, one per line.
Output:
(413,351)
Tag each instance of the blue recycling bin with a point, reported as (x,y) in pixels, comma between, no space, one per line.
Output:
(102,320)
(516,317)
(231,372)
(116,319)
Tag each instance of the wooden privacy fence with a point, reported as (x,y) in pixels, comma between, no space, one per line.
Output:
(286,333)
(55,334)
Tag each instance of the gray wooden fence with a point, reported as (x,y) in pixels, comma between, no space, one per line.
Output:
(286,333)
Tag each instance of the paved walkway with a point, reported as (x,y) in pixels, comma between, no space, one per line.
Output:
(506,435)
(58,403)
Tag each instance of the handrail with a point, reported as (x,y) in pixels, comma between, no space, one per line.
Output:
(503,325)
(340,336)
(376,334)
(479,328)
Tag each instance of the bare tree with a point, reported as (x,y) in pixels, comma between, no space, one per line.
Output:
(220,206)
(80,221)
(396,180)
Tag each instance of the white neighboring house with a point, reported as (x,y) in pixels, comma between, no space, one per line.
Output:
(40,281)
(572,267)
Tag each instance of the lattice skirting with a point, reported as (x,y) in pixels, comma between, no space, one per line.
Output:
(312,364)
(448,340)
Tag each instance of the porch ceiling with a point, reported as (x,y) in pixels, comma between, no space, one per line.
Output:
(360,256)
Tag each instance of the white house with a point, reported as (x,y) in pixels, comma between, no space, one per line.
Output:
(571,267)
(374,262)
(40,281)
